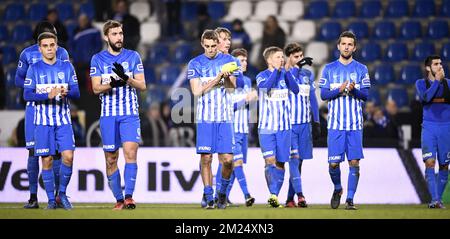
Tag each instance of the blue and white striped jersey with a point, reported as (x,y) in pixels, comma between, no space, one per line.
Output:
(301,103)
(241,115)
(216,104)
(42,77)
(122,100)
(274,104)
(345,111)
(31,55)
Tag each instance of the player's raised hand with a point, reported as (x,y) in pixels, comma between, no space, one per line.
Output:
(305,61)
(351,86)
(343,87)
(440,75)
(63,91)
(53,93)
(120,72)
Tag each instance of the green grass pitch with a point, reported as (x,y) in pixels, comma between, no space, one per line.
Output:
(193,211)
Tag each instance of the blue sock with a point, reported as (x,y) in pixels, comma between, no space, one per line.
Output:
(218,179)
(335,174)
(239,173)
(115,185)
(49,183)
(442,182)
(208,191)
(353,178)
(294,175)
(33,173)
(431,181)
(56,169)
(223,187)
(130,177)
(271,178)
(66,174)
(230,185)
(279,174)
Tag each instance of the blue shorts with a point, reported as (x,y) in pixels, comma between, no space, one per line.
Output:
(436,141)
(29,126)
(275,144)
(342,142)
(215,137)
(52,138)
(116,130)
(240,147)
(301,141)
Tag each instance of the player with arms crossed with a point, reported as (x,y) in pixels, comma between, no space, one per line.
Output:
(116,73)
(434,94)
(211,80)
(50,83)
(28,57)
(345,85)
(274,126)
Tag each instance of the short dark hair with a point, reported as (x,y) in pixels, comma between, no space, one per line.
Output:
(292,48)
(41,27)
(348,34)
(210,35)
(270,51)
(46,35)
(239,52)
(110,24)
(430,59)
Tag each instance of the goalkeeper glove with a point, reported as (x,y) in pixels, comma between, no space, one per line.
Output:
(230,67)
(305,61)
(116,83)
(120,72)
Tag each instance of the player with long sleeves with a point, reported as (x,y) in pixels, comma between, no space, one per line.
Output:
(434,94)
(116,74)
(28,57)
(303,105)
(50,83)
(274,123)
(345,85)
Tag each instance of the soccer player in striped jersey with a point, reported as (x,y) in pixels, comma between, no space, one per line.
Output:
(434,94)
(214,118)
(241,99)
(274,126)
(303,105)
(50,83)
(116,74)
(345,85)
(28,57)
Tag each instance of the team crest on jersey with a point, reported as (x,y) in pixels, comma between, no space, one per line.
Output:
(335,76)
(61,75)
(125,65)
(305,79)
(353,77)
(282,83)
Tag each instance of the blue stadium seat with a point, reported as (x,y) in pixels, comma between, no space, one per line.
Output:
(10,77)
(14,12)
(370,9)
(384,30)
(344,9)
(9,55)
(360,29)
(4,34)
(370,51)
(88,9)
(445,8)
(157,94)
(189,11)
(445,52)
(410,73)
(410,30)
(374,96)
(330,31)
(397,9)
(400,96)
(65,11)
(150,76)
(396,51)
(183,53)
(383,74)
(157,54)
(37,11)
(446,69)
(335,54)
(70,27)
(424,8)
(22,33)
(438,29)
(317,9)
(217,10)
(169,74)
(422,50)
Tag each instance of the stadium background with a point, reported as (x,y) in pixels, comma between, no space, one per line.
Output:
(394,38)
